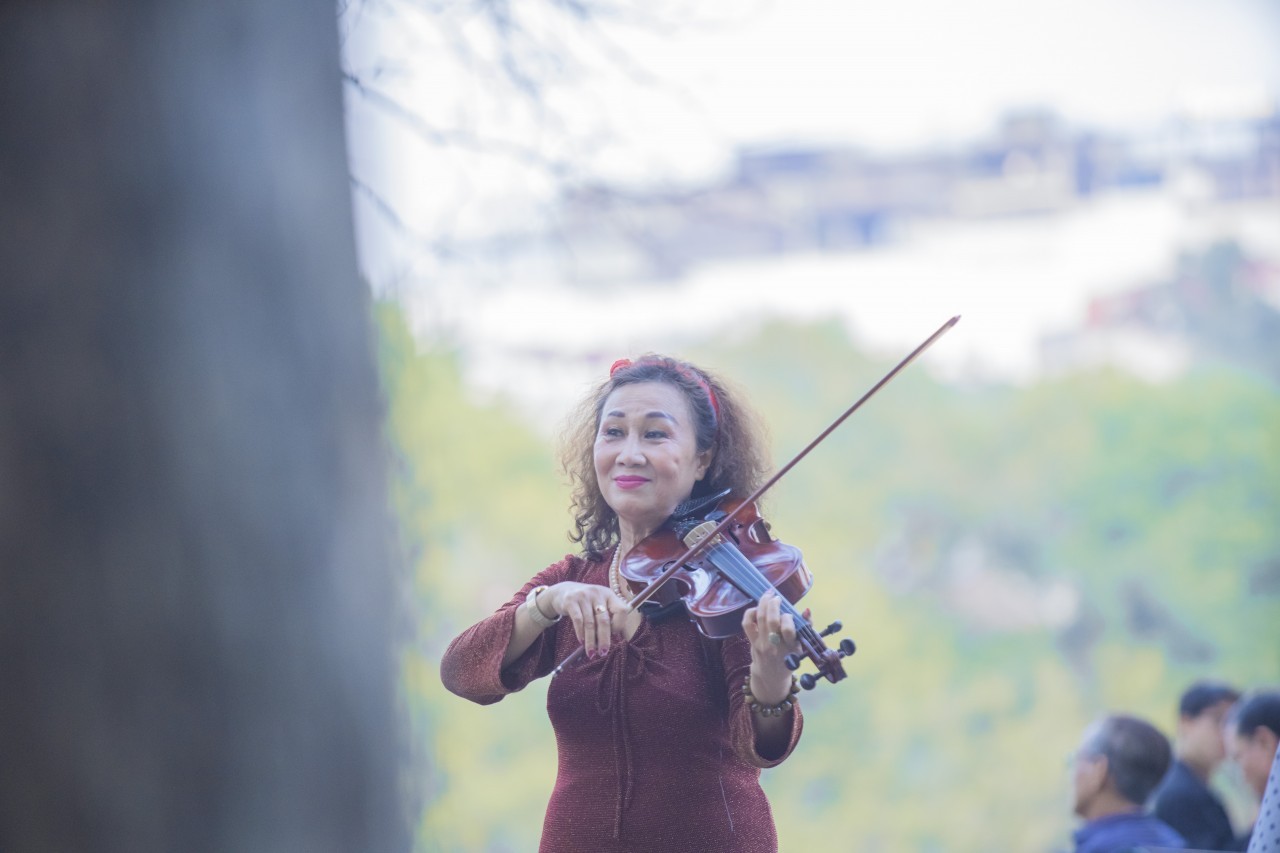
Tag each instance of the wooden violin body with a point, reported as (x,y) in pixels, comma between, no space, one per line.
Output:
(729,575)
(713,597)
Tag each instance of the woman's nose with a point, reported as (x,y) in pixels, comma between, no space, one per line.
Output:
(631,454)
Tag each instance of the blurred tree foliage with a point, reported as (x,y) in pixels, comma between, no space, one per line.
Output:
(1012,563)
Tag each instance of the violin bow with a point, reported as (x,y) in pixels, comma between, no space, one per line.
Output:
(698,547)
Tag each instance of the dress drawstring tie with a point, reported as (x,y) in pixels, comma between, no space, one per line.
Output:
(625,664)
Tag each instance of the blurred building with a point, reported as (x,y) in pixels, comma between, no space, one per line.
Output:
(817,199)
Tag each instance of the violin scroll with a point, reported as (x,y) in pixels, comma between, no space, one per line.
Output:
(844,649)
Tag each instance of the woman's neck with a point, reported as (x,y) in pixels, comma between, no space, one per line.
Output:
(629,536)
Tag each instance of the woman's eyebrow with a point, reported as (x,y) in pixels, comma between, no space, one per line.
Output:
(657,413)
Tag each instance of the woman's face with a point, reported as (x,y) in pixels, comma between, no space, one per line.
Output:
(646,455)
(1255,753)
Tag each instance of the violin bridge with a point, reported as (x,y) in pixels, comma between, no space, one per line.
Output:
(699,532)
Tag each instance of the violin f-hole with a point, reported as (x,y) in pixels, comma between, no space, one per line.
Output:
(758,532)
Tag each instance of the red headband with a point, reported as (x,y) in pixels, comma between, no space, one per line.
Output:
(624,363)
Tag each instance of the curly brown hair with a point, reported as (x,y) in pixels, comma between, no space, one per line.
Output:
(727,427)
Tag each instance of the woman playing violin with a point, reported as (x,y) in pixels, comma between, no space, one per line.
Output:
(661,732)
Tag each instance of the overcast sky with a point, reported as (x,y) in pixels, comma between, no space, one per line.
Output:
(908,70)
(911,73)
(898,75)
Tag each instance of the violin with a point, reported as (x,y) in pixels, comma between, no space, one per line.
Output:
(735,570)
(741,562)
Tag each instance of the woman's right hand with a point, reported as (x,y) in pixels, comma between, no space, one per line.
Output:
(596,612)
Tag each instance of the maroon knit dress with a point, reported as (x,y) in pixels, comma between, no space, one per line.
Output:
(656,747)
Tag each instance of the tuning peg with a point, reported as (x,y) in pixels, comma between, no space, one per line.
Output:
(831,629)
(792,661)
(808,681)
(847,647)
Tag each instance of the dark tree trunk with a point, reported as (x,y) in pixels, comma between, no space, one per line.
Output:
(195,575)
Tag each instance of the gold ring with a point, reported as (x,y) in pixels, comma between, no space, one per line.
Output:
(775,638)
(600,608)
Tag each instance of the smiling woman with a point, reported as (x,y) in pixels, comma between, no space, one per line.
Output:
(662,732)
(647,457)
(721,426)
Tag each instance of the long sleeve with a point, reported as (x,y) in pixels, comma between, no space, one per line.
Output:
(736,655)
(472,664)
(655,745)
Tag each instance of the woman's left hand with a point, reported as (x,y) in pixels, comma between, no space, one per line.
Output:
(772,635)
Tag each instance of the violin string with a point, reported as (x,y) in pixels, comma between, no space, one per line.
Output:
(754,584)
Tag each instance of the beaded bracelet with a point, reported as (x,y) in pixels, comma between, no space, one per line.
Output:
(769,710)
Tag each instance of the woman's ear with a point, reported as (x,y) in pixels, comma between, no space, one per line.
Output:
(704,464)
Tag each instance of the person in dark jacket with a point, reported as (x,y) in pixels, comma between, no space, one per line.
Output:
(1120,762)
(1184,799)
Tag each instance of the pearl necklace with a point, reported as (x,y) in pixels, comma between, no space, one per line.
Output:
(615,576)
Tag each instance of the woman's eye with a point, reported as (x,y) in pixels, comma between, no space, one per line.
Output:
(612,432)
(655,433)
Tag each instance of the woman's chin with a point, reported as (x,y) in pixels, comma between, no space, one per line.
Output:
(641,520)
